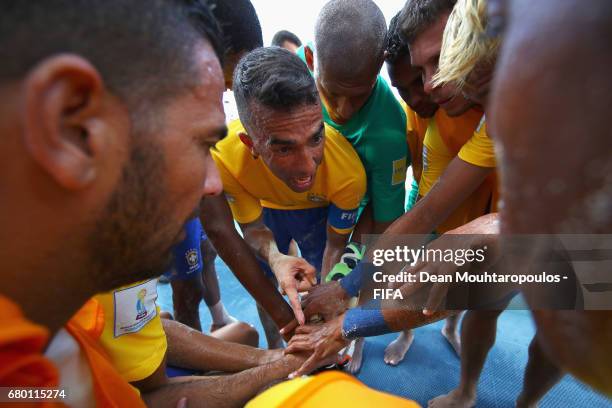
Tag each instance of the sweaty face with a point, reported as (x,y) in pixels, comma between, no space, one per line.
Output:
(425,55)
(169,172)
(344,97)
(290,143)
(409,84)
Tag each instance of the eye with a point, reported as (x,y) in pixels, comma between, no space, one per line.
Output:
(283,150)
(317,139)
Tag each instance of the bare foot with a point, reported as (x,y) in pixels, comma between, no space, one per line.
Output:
(357,358)
(453,338)
(396,350)
(453,399)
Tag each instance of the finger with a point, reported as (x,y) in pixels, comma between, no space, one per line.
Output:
(182,403)
(305,329)
(294,301)
(289,327)
(309,272)
(298,338)
(298,347)
(308,366)
(410,289)
(436,296)
(304,285)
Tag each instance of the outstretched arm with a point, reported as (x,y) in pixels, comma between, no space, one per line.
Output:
(224,391)
(219,226)
(189,348)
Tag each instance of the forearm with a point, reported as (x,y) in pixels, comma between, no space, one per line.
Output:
(225,391)
(333,251)
(189,348)
(373,320)
(261,239)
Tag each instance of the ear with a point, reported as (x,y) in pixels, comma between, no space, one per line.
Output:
(248,142)
(309,55)
(65,125)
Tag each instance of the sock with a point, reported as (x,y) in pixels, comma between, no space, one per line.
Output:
(220,316)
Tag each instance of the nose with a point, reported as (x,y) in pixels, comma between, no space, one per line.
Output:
(427,82)
(212,180)
(344,108)
(307,164)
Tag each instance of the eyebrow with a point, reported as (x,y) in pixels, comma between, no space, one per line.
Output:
(275,141)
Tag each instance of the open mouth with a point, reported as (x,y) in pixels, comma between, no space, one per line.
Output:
(302,182)
(444,101)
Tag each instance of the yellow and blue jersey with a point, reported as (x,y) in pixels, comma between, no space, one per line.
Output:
(250,186)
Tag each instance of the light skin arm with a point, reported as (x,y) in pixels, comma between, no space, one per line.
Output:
(237,254)
(223,391)
(334,248)
(294,274)
(458,181)
(189,348)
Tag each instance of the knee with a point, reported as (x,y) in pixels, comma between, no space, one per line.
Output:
(249,334)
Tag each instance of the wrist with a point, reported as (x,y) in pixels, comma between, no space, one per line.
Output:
(364,321)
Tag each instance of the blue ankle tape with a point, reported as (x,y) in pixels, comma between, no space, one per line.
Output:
(364,321)
(352,282)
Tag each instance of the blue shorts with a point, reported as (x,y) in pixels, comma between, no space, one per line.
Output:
(188,254)
(307,227)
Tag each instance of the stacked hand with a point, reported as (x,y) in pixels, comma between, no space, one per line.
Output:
(324,341)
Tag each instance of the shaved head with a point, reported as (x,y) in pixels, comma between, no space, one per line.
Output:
(350,37)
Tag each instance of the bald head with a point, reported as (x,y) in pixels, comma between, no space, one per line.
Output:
(350,38)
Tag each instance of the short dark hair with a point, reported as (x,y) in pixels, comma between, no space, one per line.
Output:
(275,78)
(284,35)
(239,23)
(350,37)
(142,48)
(417,15)
(397,47)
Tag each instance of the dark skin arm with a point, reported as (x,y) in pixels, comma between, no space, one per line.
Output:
(293,274)
(218,223)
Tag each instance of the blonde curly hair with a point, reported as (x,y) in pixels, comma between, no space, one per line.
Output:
(465,43)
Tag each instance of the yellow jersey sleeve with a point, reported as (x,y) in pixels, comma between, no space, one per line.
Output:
(133,334)
(479,150)
(245,208)
(347,181)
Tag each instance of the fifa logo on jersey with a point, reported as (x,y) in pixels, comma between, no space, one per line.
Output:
(192,257)
(349,216)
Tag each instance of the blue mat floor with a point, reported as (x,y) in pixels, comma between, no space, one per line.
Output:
(430,368)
